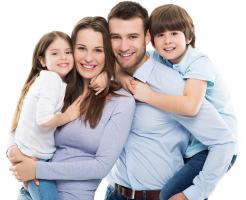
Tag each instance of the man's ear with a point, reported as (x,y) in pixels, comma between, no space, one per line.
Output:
(147,37)
(41,60)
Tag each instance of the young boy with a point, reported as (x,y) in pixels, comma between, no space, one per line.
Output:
(173,37)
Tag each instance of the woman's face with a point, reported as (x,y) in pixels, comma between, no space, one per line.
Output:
(89,53)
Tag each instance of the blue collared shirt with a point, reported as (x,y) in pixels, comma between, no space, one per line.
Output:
(157,142)
(196,65)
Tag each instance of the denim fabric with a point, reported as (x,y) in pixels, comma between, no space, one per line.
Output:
(184,177)
(45,190)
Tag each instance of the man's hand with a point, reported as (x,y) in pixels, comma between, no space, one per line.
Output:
(179,196)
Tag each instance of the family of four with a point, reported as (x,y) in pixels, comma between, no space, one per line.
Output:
(169,134)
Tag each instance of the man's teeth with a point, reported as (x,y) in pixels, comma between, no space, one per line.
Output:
(126,54)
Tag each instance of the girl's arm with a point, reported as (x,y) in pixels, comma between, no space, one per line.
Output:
(59,119)
(123,79)
(99,83)
(188,104)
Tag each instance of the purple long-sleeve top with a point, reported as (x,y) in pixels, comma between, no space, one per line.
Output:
(85,155)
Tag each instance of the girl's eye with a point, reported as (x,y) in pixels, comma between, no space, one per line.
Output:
(68,52)
(54,54)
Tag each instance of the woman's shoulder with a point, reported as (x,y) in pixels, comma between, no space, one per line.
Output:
(123,97)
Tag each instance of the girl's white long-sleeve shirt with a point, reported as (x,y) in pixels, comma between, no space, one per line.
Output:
(43,100)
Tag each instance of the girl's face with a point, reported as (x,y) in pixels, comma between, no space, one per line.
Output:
(58,57)
(171,45)
(89,53)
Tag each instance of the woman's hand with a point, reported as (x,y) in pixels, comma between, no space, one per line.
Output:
(24,170)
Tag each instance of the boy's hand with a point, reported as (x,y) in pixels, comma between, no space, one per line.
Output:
(141,91)
(99,83)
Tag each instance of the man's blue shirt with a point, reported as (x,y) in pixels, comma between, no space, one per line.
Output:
(157,142)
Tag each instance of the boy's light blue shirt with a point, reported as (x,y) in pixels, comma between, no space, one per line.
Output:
(158,139)
(196,65)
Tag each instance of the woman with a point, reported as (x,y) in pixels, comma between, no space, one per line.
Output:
(86,147)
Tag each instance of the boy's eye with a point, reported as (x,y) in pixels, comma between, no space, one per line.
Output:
(160,35)
(174,33)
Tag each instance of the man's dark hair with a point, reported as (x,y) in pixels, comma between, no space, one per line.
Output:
(127,10)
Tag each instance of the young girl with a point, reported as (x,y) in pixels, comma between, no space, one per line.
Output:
(38,110)
(173,37)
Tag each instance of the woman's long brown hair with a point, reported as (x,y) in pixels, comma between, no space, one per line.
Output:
(92,106)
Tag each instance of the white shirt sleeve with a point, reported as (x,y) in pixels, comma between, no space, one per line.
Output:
(50,89)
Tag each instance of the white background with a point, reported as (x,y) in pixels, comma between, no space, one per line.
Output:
(220,32)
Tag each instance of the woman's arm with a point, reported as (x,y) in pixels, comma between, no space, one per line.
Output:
(188,104)
(112,142)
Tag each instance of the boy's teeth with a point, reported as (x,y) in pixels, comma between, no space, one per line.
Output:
(169,49)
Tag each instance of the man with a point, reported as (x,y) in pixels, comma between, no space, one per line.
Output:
(154,150)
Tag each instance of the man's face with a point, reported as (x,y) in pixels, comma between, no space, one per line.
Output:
(129,42)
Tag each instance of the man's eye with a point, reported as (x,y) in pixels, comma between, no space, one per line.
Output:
(115,37)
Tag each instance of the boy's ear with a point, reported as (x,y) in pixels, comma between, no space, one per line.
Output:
(188,41)
(147,37)
(41,60)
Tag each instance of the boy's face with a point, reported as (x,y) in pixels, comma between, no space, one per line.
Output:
(129,42)
(171,45)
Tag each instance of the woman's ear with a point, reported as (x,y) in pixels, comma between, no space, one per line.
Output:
(41,60)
